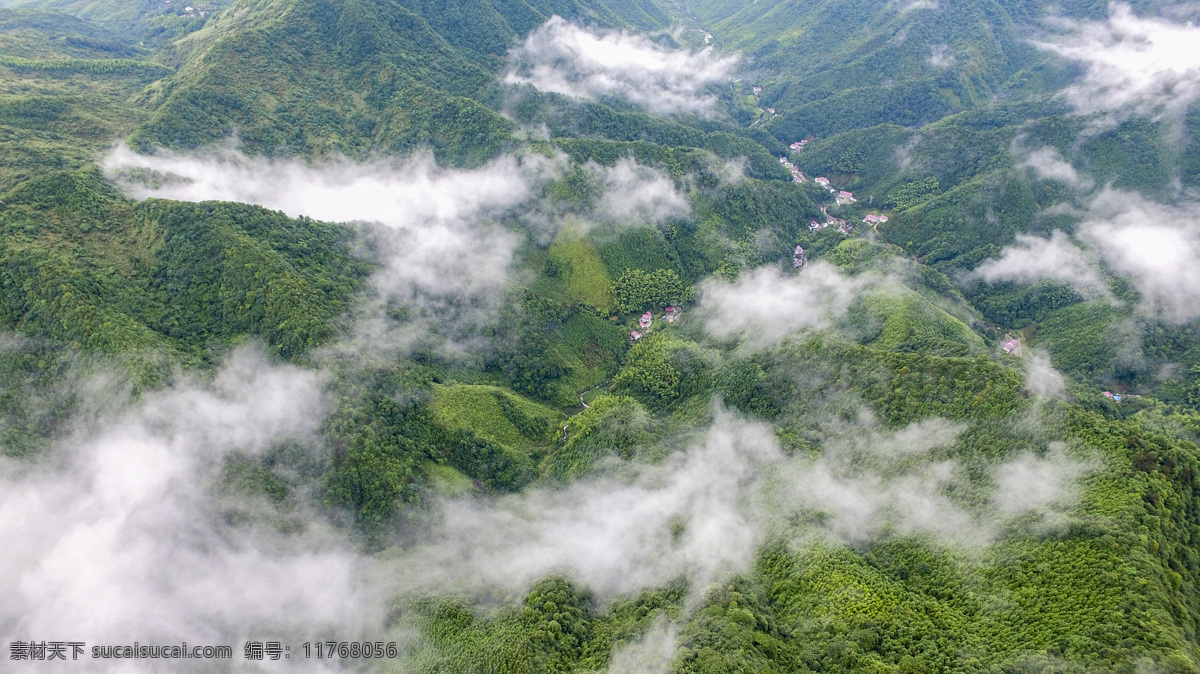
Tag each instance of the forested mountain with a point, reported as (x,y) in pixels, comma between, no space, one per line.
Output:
(521,336)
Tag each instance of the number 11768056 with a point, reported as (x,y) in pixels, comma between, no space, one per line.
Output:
(349,649)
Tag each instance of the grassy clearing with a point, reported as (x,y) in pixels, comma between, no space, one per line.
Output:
(480,409)
(448,480)
(583,272)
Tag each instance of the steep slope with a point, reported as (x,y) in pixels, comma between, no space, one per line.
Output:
(356,78)
(331,77)
(87,267)
(833,66)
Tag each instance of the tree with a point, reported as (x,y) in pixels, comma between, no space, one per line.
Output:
(636,290)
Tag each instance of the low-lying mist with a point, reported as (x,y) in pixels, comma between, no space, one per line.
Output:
(566,58)
(117,535)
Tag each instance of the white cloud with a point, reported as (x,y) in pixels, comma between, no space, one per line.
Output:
(1047,163)
(919,4)
(703,511)
(651,654)
(1046,483)
(403,194)
(1041,378)
(434,230)
(865,483)
(638,192)
(1153,245)
(568,59)
(1032,258)
(940,56)
(118,539)
(1131,61)
(615,533)
(904,152)
(764,307)
(114,537)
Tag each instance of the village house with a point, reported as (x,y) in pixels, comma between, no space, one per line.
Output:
(1012,346)
(845,197)
(799,258)
(823,182)
(634,336)
(671,314)
(871,219)
(797,176)
(646,321)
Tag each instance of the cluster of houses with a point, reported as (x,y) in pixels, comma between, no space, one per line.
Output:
(190,11)
(843,197)
(670,315)
(843,226)
(770,112)
(1115,397)
(797,176)
(875,220)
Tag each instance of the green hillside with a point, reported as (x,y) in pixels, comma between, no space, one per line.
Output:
(65,86)
(87,267)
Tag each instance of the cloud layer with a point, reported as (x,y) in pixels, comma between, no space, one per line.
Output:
(1033,258)
(443,254)
(1049,164)
(704,510)
(764,306)
(120,538)
(1152,245)
(639,193)
(1129,61)
(116,536)
(437,213)
(565,58)
(615,533)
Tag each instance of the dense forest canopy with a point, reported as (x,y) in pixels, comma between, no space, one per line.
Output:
(602,336)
